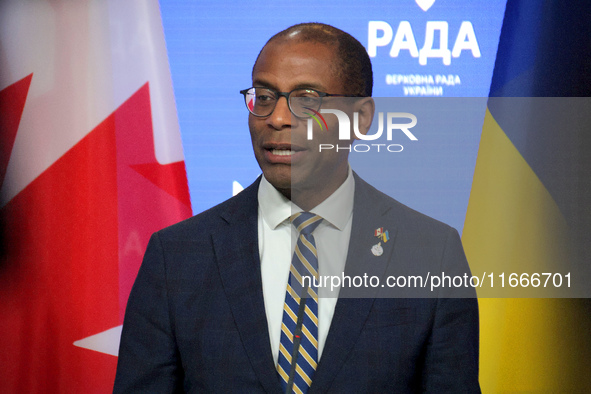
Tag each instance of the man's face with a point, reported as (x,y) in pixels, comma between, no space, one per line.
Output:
(289,161)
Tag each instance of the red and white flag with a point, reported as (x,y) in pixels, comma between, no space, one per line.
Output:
(91,164)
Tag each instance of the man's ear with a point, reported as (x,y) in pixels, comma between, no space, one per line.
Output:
(366,108)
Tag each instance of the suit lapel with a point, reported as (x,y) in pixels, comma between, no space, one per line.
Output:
(236,249)
(354,305)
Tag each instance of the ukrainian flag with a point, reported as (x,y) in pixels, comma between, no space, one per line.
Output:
(530,204)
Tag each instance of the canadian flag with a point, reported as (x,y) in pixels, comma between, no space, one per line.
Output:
(91,164)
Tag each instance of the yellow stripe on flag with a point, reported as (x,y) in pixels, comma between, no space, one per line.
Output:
(514,225)
(512,222)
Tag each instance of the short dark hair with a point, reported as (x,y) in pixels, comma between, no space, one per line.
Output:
(354,66)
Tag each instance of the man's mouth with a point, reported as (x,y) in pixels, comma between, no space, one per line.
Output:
(282,152)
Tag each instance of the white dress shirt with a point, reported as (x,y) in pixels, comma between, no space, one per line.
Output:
(277,239)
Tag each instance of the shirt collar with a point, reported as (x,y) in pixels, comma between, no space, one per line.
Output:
(274,206)
(336,209)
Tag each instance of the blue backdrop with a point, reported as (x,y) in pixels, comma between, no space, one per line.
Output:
(212,48)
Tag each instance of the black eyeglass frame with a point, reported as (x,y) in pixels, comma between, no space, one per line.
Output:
(321,95)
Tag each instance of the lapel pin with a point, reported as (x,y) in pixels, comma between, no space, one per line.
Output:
(377,249)
(381,234)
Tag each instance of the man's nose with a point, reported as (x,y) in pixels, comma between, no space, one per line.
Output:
(281,116)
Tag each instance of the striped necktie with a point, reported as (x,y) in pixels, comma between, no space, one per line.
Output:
(298,347)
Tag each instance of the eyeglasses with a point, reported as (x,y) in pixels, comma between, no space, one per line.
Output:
(302,102)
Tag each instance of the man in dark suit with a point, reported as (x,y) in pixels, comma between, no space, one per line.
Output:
(208,309)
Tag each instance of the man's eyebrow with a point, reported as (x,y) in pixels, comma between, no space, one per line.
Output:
(314,86)
(301,85)
(262,84)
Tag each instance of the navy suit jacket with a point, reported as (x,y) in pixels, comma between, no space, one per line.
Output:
(196,322)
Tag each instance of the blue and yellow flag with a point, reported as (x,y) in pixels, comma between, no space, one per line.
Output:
(530,204)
